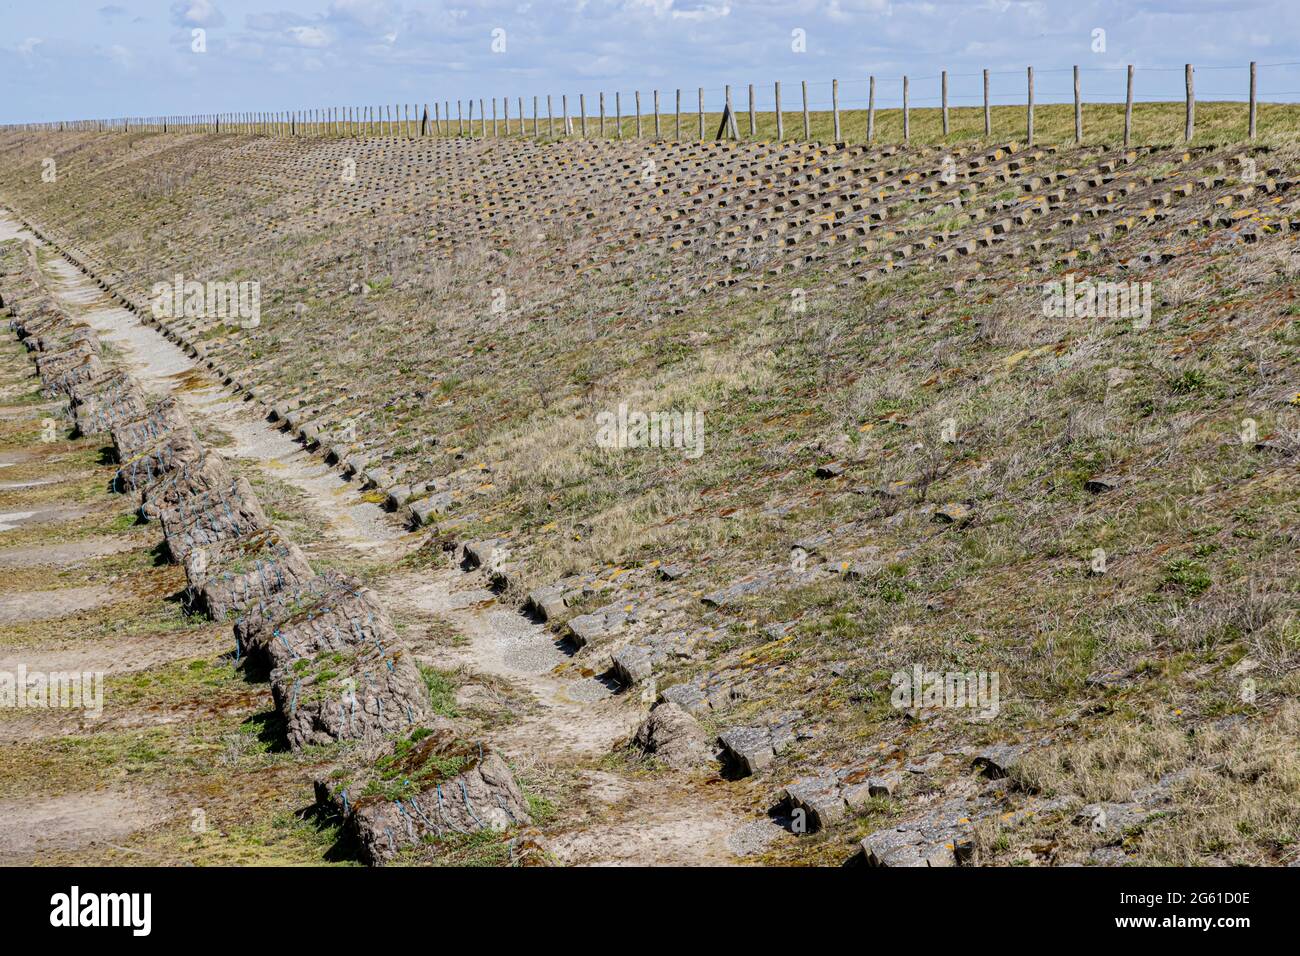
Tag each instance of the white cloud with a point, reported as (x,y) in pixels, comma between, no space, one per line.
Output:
(689,10)
(121,56)
(313,37)
(374,15)
(845,11)
(197,13)
(660,8)
(707,11)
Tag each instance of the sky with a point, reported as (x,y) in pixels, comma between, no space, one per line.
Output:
(70,59)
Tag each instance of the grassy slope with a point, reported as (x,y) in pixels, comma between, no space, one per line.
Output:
(1199,535)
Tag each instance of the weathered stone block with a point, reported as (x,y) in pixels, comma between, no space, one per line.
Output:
(747,749)
(429,784)
(673,736)
(632,664)
(212,517)
(820,800)
(243,572)
(361,692)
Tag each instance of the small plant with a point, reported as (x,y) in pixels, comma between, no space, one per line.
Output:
(1187,576)
(442,690)
(1189,382)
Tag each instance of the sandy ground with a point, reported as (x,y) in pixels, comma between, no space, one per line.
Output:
(73,821)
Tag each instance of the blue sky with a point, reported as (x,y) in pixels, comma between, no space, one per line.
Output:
(76,58)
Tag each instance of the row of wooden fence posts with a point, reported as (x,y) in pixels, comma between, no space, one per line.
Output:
(359,120)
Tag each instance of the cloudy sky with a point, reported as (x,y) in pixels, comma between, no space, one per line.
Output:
(78,58)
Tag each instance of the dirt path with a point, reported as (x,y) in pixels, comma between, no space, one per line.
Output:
(74,821)
(616,819)
(38,605)
(577,717)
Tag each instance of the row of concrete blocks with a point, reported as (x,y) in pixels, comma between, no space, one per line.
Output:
(338,669)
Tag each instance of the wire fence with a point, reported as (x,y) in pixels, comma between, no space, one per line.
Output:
(786,108)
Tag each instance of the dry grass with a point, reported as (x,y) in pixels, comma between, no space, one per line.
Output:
(1236,799)
(1116,670)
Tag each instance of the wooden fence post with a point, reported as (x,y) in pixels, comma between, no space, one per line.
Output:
(564,110)
(1252,99)
(943,98)
(658,128)
(907,121)
(1029,115)
(835,107)
(582,110)
(1078,109)
(807,125)
(602,115)
(638,114)
(550,116)
(753,124)
(1191,104)
(988,116)
(679,116)
(1128,107)
(618,113)
(701,113)
(871,109)
(780,120)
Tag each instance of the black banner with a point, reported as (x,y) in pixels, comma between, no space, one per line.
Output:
(333,905)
